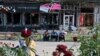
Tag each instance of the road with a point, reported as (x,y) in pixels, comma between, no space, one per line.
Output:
(46,48)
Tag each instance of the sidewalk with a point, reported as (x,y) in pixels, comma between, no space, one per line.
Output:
(46,48)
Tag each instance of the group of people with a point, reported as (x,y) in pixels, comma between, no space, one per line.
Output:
(53,36)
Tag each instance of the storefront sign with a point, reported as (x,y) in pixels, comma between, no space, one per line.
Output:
(44,8)
(24,7)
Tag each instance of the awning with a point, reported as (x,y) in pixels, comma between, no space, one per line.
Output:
(45,7)
(51,7)
(55,6)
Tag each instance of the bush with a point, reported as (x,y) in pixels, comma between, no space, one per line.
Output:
(90,45)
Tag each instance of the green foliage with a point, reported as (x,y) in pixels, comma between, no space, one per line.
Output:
(8,51)
(5,50)
(90,45)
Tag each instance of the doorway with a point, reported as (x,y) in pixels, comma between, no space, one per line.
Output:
(68,20)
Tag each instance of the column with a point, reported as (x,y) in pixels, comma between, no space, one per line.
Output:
(96,15)
(73,19)
(78,19)
(1,18)
(5,19)
(22,19)
(39,19)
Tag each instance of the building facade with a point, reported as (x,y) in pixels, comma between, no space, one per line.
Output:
(18,14)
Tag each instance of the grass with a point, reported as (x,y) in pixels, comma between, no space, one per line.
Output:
(39,37)
(68,37)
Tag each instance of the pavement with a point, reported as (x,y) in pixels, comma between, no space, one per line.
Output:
(46,48)
(49,47)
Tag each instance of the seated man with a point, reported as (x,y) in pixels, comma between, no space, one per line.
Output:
(61,36)
(54,35)
(46,36)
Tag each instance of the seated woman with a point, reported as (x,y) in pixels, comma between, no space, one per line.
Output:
(46,36)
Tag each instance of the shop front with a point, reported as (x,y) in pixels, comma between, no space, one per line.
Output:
(49,14)
(20,15)
(87,17)
(71,13)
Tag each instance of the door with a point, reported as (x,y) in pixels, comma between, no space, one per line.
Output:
(68,20)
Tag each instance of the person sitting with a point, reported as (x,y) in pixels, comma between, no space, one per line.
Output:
(54,35)
(46,36)
(61,36)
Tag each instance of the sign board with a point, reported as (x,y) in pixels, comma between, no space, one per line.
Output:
(24,7)
(44,9)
